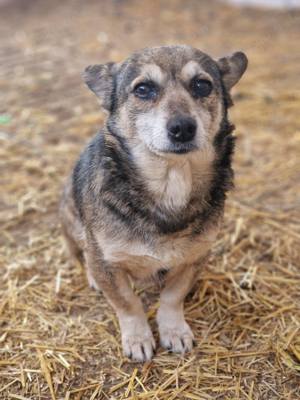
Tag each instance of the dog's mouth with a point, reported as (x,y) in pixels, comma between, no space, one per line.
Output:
(182,149)
(179,148)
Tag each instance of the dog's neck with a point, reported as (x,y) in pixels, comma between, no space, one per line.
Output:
(172,180)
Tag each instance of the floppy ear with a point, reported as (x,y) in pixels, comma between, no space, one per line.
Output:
(100,79)
(232,68)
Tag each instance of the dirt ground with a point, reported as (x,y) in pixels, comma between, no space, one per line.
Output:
(58,338)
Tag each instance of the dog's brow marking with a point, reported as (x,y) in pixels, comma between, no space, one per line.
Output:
(154,72)
(151,72)
(191,69)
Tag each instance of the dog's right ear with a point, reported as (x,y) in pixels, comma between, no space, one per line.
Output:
(100,79)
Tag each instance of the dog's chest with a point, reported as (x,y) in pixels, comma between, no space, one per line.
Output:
(172,187)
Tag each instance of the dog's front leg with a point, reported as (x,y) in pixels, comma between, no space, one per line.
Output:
(137,339)
(175,333)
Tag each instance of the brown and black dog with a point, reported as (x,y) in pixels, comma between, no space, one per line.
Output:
(147,194)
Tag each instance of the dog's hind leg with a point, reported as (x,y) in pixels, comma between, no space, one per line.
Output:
(72,228)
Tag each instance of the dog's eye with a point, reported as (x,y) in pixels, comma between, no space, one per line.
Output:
(201,87)
(145,90)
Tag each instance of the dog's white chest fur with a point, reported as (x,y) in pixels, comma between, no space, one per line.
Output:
(169,182)
(173,186)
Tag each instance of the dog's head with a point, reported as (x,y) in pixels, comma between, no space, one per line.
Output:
(172,99)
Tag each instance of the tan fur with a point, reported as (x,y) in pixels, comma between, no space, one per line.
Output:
(132,232)
(174,332)
(142,261)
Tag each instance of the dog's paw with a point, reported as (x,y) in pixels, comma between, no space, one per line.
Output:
(137,339)
(139,347)
(178,338)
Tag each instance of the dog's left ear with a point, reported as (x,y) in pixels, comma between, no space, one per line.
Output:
(100,79)
(232,68)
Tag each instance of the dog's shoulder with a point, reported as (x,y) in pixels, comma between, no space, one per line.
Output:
(104,166)
(86,171)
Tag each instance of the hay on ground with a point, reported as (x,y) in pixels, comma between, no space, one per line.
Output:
(58,338)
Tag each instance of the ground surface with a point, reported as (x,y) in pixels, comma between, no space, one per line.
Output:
(58,338)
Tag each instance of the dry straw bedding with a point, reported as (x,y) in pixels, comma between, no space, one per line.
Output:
(59,339)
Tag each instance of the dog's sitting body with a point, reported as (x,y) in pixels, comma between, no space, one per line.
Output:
(147,195)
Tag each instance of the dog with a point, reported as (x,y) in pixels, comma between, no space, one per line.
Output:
(146,197)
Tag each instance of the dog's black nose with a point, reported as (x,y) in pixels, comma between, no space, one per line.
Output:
(181,129)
